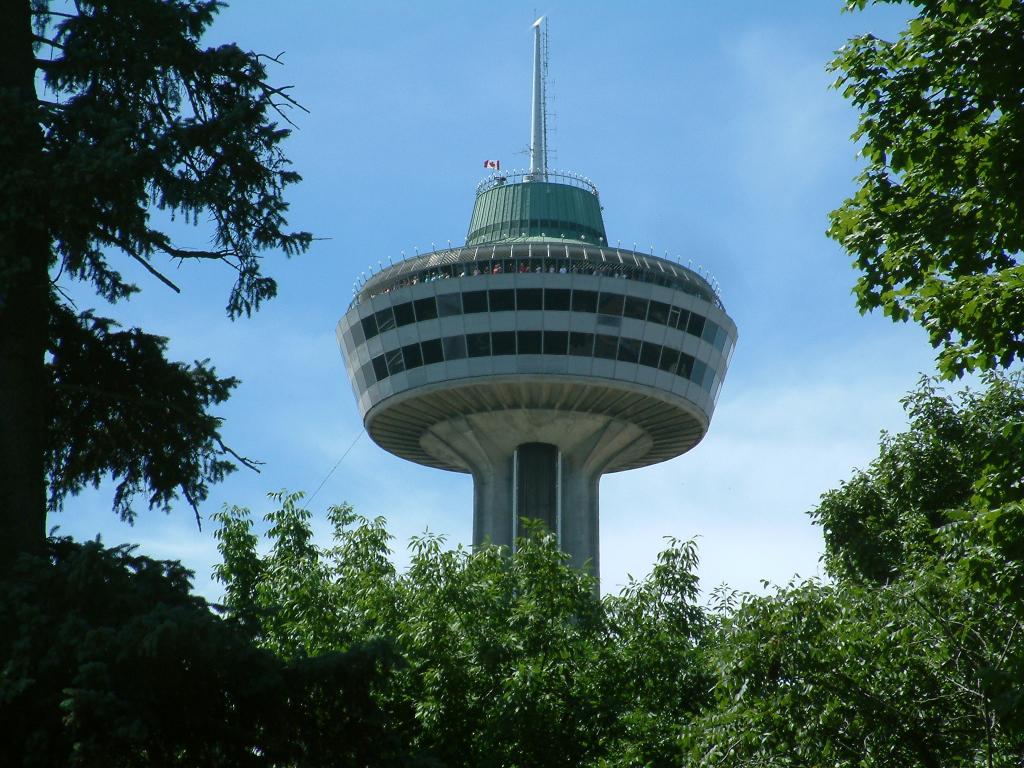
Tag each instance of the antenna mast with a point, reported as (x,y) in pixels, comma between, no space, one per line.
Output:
(539,129)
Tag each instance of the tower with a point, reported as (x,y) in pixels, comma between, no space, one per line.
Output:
(537,357)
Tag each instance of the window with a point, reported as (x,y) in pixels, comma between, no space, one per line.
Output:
(710,329)
(411,355)
(369,326)
(529,342)
(529,298)
(605,346)
(503,342)
(368,375)
(357,334)
(478,344)
(669,359)
(395,362)
(385,319)
(649,354)
(629,350)
(474,301)
(584,301)
(636,308)
(657,312)
(700,369)
(684,319)
(610,303)
(556,342)
(426,309)
(581,344)
(502,299)
(380,367)
(449,304)
(696,325)
(432,352)
(673,317)
(686,366)
(454,347)
(404,314)
(557,299)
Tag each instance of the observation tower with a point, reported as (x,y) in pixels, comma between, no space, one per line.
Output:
(536,357)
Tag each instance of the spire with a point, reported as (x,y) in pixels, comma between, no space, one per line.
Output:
(539,130)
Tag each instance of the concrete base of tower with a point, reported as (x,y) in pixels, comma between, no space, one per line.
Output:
(537,464)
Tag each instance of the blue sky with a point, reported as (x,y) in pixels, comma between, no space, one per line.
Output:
(713,135)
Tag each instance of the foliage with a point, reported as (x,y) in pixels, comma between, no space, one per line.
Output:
(115,111)
(509,659)
(936,227)
(914,655)
(957,447)
(106,659)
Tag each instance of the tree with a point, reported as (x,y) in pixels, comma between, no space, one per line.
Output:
(936,227)
(507,658)
(958,446)
(109,660)
(112,108)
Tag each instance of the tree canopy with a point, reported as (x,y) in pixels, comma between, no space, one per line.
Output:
(936,226)
(113,109)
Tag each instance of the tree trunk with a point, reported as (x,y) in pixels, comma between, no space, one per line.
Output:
(24,294)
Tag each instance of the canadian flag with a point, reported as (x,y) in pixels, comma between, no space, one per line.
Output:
(495,164)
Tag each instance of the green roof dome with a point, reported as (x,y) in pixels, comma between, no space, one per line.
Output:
(538,206)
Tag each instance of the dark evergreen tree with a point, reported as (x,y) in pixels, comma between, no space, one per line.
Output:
(113,108)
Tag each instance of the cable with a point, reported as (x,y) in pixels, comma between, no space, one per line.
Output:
(336,465)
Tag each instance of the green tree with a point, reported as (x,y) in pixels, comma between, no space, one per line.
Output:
(507,659)
(936,227)
(106,659)
(113,108)
(914,655)
(957,446)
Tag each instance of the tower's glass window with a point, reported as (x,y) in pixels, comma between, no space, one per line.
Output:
(657,312)
(426,309)
(636,308)
(502,299)
(687,364)
(478,344)
(700,369)
(404,314)
(474,301)
(669,359)
(357,334)
(610,303)
(584,301)
(380,367)
(529,298)
(673,317)
(503,342)
(529,342)
(411,355)
(385,319)
(454,347)
(684,320)
(369,326)
(432,351)
(710,329)
(696,324)
(449,304)
(556,342)
(395,362)
(557,299)
(629,350)
(581,344)
(605,346)
(649,354)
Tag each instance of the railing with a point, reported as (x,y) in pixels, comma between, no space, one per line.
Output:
(500,178)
